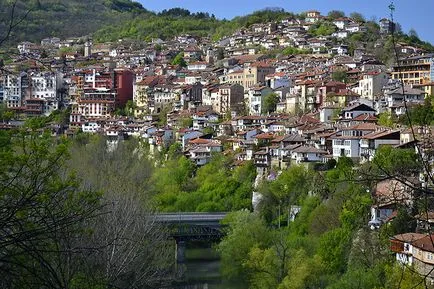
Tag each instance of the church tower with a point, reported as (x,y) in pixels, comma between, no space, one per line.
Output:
(209,56)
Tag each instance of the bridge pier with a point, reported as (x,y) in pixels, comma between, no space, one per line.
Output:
(180,251)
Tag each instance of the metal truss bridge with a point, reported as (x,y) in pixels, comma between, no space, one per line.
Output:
(193,226)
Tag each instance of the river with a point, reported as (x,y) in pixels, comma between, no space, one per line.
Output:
(202,270)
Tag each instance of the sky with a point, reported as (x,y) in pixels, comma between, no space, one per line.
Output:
(416,14)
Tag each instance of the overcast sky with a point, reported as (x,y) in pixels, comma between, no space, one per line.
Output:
(417,14)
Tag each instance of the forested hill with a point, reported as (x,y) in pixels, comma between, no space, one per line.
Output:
(172,22)
(64,18)
(109,20)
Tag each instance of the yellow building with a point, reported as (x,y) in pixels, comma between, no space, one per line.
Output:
(251,75)
(417,71)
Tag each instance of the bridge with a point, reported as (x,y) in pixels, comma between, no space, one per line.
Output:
(185,227)
(197,218)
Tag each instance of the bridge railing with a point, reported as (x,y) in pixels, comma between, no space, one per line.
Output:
(190,217)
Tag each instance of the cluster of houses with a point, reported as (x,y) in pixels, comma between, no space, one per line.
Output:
(222,90)
(219,101)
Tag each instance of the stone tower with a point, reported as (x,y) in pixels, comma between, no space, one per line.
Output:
(88,48)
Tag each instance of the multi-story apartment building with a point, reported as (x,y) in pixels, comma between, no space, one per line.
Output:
(143,93)
(417,71)
(15,89)
(227,97)
(396,99)
(252,75)
(32,92)
(164,96)
(371,85)
(97,93)
(46,86)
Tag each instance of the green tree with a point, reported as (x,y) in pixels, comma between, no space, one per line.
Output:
(403,277)
(360,278)
(368,250)
(335,14)
(175,151)
(220,53)
(333,249)
(268,267)
(386,119)
(5,113)
(179,60)
(294,51)
(290,188)
(357,17)
(245,232)
(304,272)
(392,162)
(421,114)
(130,107)
(270,103)
(413,34)
(322,28)
(340,75)
(186,122)
(171,179)
(43,212)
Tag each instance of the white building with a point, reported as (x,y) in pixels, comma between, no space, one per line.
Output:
(341,34)
(14,89)
(371,85)
(307,154)
(355,110)
(347,141)
(46,85)
(341,23)
(255,99)
(199,65)
(90,127)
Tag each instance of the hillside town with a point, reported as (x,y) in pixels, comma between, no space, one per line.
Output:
(301,108)
(321,102)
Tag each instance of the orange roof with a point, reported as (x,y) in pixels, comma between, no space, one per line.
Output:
(278,74)
(267,135)
(308,119)
(248,58)
(279,138)
(425,244)
(260,64)
(365,117)
(378,134)
(390,191)
(363,126)
(199,141)
(408,237)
